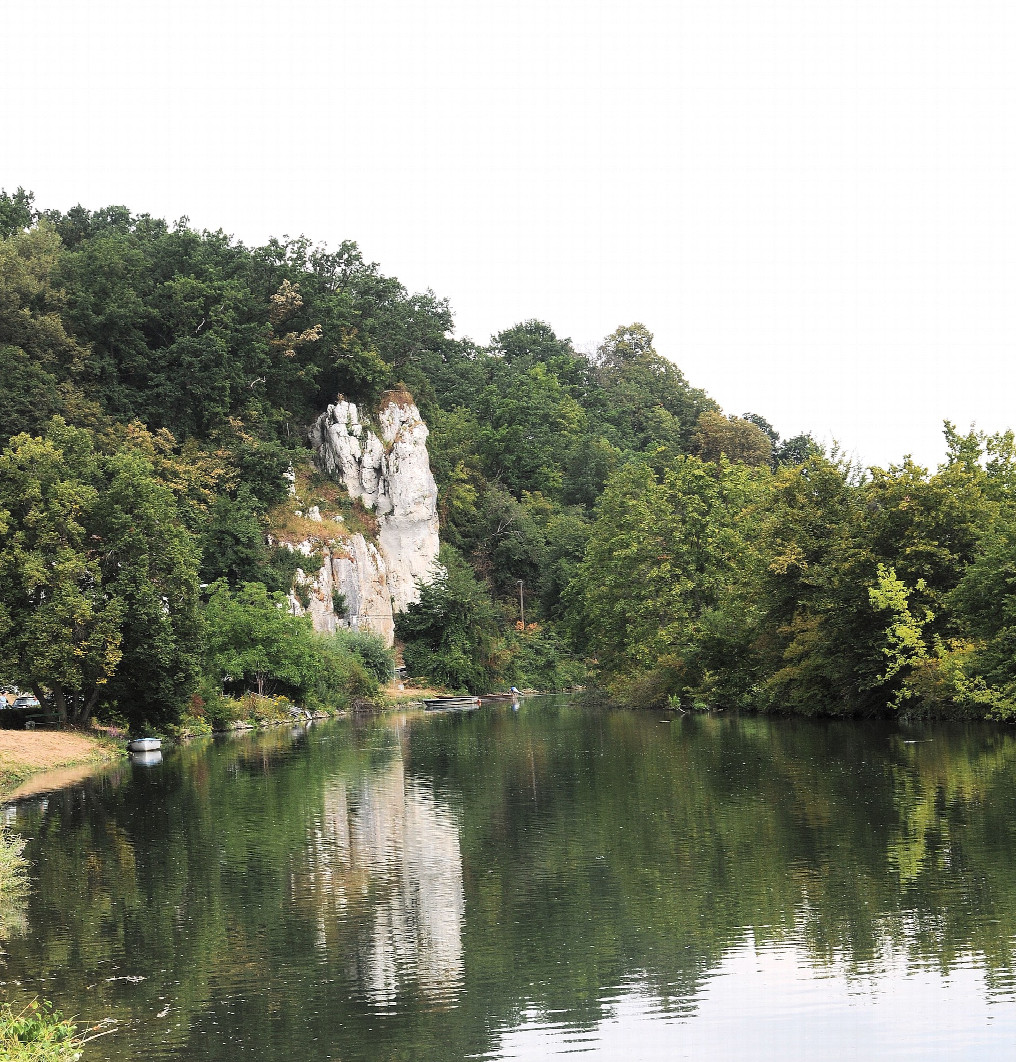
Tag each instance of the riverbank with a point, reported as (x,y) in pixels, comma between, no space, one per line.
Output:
(25,754)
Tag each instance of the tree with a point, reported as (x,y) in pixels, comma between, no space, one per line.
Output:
(664,553)
(150,565)
(98,580)
(16,212)
(41,363)
(452,635)
(251,637)
(641,398)
(60,631)
(529,431)
(737,439)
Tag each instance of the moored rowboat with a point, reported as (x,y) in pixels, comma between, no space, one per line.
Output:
(451,704)
(146,744)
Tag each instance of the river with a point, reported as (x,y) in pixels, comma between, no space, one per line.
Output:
(531,884)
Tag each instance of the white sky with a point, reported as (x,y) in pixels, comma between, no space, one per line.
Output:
(810,202)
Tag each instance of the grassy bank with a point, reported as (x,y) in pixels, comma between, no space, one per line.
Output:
(26,753)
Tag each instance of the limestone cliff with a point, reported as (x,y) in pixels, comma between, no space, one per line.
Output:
(387,469)
(389,473)
(354,573)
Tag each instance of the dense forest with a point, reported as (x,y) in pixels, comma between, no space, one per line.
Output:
(160,383)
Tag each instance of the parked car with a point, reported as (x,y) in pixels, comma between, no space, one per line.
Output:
(26,700)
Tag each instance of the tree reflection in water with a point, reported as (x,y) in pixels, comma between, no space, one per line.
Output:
(417,887)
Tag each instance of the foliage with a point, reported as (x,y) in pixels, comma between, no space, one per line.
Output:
(95,572)
(542,660)
(906,647)
(663,559)
(252,638)
(735,438)
(13,884)
(160,381)
(453,634)
(38,1033)
(370,649)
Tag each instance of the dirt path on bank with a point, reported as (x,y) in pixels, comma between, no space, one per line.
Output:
(41,749)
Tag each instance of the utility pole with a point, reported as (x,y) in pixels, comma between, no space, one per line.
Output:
(522,606)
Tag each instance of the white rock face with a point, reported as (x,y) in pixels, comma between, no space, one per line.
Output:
(356,570)
(390,474)
(361,577)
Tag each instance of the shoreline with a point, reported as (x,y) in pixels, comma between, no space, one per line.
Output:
(27,754)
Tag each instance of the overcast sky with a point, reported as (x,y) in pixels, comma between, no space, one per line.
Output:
(811,203)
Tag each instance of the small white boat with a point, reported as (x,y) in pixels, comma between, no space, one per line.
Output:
(147,744)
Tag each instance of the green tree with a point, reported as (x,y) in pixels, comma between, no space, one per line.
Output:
(738,439)
(664,552)
(150,565)
(252,639)
(96,573)
(454,634)
(60,630)
(16,211)
(643,399)
(528,432)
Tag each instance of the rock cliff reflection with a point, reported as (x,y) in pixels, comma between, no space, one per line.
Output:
(387,853)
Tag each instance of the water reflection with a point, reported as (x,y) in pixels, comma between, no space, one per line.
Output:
(385,847)
(533,883)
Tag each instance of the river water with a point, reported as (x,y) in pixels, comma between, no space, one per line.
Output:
(534,884)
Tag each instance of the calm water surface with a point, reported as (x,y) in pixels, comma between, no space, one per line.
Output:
(527,885)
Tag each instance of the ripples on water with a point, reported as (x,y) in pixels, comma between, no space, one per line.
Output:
(531,885)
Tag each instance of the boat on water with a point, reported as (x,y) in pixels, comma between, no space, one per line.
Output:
(145,744)
(451,704)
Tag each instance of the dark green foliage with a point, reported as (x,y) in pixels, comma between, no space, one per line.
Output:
(542,659)
(253,642)
(233,543)
(370,650)
(151,566)
(697,558)
(16,212)
(98,580)
(453,635)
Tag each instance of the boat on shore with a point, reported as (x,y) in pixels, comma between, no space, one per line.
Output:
(145,744)
(451,704)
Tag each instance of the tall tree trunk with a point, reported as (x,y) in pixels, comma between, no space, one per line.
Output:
(83,708)
(61,704)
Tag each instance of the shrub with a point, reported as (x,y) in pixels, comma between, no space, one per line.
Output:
(340,676)
(454,634)
(541,660)
(38,1033)
(371,651)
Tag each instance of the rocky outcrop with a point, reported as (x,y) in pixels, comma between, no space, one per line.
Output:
(388,470)
(354,577)
(362,584)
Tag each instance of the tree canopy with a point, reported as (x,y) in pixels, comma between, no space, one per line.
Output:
(160,384)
